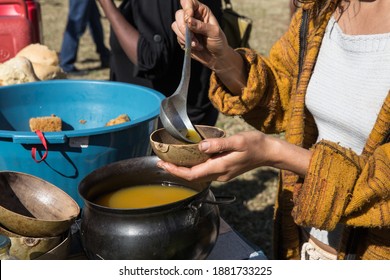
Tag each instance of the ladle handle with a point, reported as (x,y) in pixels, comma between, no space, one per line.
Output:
(186,70)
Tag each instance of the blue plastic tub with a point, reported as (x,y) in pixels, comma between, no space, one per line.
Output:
(85,143)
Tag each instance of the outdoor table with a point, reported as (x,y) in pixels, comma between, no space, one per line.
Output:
(231,246)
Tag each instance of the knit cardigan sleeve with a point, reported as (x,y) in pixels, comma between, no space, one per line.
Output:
(342,187)
(264,101)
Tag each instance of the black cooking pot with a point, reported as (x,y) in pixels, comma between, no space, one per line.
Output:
(185,229)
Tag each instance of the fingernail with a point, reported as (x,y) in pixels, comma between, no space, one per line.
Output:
(204,146)
(160,165)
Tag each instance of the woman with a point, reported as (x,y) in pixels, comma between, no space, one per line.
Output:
(326,85)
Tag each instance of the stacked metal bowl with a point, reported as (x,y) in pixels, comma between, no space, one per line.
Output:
(36,215)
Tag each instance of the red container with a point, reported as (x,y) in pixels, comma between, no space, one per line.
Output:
(20,25)
(35,16)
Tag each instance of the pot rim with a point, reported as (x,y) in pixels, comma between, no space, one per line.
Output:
(158,131)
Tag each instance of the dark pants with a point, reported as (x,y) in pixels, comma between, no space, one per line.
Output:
(82,13)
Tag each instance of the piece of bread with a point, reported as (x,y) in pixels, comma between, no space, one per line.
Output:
(40,54)
(48,72)
(46,124)
(44,60)
(118,120)
(17,70)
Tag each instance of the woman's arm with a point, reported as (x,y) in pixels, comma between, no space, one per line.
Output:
(341,186)
(240,153)
(244,82)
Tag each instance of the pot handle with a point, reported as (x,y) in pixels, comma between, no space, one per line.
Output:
(221,200)
(31,138)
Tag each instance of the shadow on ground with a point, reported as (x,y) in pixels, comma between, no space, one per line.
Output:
(251,214)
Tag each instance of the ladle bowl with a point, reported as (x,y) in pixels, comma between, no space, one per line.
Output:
(173,109)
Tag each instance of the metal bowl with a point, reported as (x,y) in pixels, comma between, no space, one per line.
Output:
(29,248)
(172,150)
(30,206)
(59,252)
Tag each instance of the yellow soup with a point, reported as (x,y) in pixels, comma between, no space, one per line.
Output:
(193,136)
(144,196)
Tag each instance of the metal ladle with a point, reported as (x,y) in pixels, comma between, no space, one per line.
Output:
(173,109)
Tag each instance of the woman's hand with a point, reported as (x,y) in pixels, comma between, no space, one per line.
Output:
(240,153)
(209,44)
(208,41)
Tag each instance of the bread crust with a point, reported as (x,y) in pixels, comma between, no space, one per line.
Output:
(118,120)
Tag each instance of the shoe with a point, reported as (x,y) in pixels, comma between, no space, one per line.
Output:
(76,72)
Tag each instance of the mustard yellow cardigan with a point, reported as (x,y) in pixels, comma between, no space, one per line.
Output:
(341,186)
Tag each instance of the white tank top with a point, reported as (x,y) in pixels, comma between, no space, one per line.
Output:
(349,84)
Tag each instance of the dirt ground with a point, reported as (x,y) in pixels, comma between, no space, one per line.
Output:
(251,214)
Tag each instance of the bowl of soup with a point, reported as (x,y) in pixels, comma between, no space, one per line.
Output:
(135,210)
(173,150)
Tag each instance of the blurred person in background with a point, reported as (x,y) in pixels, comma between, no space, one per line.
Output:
(145,51)
(82,14)
(326,86)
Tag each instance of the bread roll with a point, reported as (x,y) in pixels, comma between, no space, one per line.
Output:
(17,70)
(40,54)
(48,72)
(45,61)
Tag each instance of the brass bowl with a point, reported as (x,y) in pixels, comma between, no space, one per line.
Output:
(29,248)
(59,252)
(178,152)
(31,206)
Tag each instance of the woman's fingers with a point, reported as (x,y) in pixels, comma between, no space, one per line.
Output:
(189,7)
(229,159)
(198,173)
(220,145)
(214,146)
